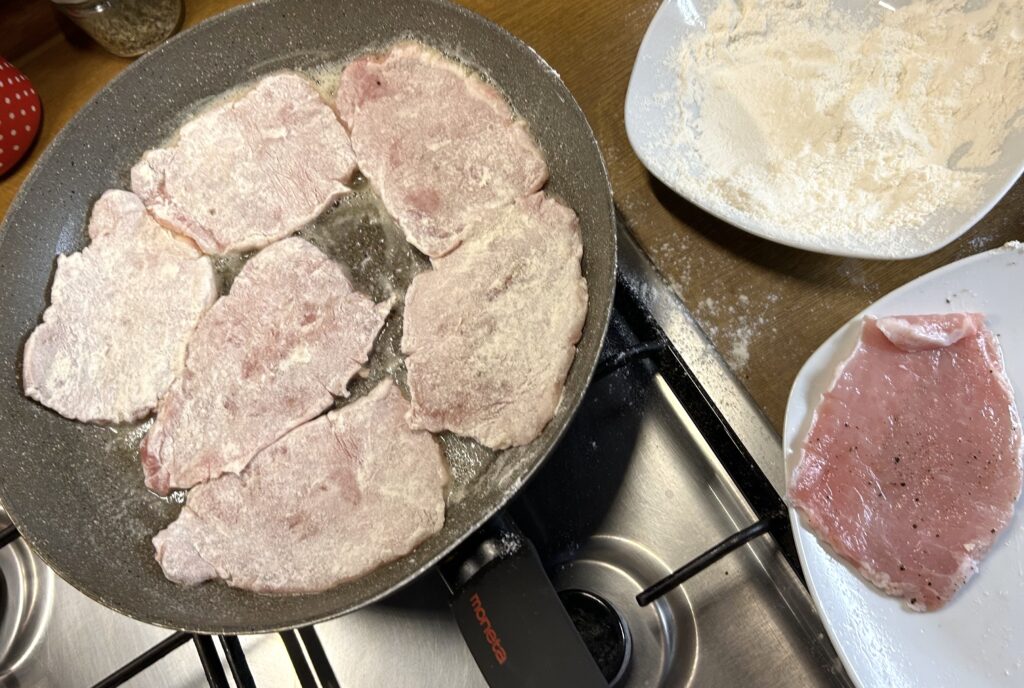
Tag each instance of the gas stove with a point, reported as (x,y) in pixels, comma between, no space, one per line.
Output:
(666,458)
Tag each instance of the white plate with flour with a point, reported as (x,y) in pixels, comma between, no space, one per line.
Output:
(780,132)
(978,638)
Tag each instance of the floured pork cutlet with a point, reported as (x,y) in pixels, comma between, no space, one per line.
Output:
(440,146)
(250,170)
(490,332)
(912,464)
(266,358)
(330,501)
(121,314)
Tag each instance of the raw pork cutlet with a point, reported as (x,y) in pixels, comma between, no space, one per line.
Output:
(251,170)
(490,332)
(439,145)
(266,358)
(913,460)
(120,316)
(328,502)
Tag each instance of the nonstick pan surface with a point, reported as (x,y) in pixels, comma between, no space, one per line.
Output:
(75,491)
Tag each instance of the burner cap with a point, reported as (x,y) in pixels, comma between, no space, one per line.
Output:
(602,629)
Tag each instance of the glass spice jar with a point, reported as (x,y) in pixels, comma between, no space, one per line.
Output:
(125,27)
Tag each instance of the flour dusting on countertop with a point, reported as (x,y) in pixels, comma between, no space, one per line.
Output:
(743,321)
(821,125)
(734,322)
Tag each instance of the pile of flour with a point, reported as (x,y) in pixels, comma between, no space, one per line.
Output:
(848,131)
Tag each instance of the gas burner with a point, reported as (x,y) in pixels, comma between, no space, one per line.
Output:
(603,631)
(659,641)
(26,600)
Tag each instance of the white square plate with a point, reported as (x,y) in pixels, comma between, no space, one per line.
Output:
(651,118)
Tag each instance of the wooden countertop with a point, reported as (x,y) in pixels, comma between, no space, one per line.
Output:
(765,306)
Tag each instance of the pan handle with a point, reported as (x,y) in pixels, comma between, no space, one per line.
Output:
(510,615)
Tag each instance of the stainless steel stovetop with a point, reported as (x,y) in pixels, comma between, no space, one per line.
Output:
(638,487)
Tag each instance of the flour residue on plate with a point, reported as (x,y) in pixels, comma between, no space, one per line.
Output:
(851,131)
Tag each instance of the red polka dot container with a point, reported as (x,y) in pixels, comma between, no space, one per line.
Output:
(20,113)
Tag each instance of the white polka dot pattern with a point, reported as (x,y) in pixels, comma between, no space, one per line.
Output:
(21,110)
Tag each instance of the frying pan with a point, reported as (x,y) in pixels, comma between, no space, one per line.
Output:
(75,491)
